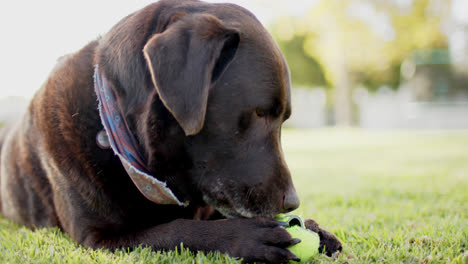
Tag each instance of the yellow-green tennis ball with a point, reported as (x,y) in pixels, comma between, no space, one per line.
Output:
(310,242)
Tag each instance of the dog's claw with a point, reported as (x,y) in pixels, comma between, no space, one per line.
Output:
(295,258)
(295,241)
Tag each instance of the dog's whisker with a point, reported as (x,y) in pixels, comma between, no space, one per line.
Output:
(249,193)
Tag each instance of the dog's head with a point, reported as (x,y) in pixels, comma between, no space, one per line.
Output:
(206,89)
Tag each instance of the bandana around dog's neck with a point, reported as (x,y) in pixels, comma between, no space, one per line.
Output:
(124,146)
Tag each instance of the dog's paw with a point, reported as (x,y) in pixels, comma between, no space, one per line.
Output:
(329,243)
(259,240)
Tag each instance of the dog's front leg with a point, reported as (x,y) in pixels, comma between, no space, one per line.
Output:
(254,240)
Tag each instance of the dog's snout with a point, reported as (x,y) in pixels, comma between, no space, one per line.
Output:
(290,201)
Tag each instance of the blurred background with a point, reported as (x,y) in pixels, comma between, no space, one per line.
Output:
(377,64)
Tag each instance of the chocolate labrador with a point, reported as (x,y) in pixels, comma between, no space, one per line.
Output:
(164,131)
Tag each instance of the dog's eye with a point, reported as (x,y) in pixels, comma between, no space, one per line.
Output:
(260,112)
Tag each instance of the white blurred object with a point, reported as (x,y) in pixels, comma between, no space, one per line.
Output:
(12,107)
(460,11)
(458,42)
(388,109)
(308,108)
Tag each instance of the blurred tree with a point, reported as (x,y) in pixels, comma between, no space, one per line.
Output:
(307,70)
(345,43)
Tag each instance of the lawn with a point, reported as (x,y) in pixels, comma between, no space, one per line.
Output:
(391,197)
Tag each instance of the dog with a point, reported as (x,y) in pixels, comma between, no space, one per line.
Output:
(165,130)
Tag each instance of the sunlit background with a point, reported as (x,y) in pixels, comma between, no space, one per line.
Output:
(370,63)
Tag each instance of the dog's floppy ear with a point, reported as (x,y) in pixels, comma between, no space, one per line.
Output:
(185,60)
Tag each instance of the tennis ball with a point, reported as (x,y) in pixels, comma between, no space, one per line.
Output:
(310,241)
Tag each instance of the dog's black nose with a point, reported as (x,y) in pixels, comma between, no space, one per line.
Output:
(290,201)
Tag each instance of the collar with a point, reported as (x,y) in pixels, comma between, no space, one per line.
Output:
(124,146)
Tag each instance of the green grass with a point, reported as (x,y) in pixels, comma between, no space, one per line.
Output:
(391,197)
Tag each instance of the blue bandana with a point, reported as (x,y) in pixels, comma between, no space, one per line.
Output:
(124,146)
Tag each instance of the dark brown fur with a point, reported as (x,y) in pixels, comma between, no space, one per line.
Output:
(205,90)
